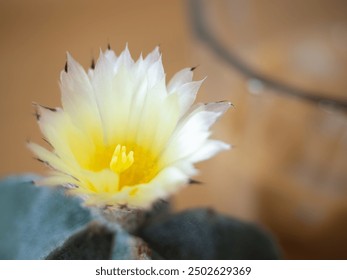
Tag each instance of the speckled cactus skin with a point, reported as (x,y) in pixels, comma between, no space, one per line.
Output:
(35,220)
(42,223)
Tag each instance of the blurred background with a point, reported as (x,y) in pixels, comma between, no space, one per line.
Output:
(283,65)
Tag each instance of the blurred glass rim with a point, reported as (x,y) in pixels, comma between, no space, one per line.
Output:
(257,80)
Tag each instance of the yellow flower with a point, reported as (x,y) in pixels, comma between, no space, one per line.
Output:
(122,136)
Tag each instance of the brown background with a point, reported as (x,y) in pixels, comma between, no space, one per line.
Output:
(258,180)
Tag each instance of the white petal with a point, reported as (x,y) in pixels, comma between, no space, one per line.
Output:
(111,56)
(50,158)
(157,119)
(56,179)
(141,66)
(104,181)
(78,99)
(155,73)
(153,56)
(124,60)
(187,94)
(192,132)
(69,142)
(182,77)
(218,107)
(208,150)
(52,124)
(162,186)
(167,182)
(113,91)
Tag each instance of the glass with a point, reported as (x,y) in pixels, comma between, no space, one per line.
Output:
(283,64)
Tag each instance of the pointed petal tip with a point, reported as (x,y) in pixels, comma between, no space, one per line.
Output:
(224,146)
(49,143)
(125,51)
(157,52)
(158,48)
(230,104)
(68,55)
(38,107)
(40,160)
(30,145)
(69,61)
(226,102)
(220,104)
(48,108)
(194,182)
(36,111)
(68,58)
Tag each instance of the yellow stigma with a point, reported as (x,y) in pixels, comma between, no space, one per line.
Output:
(121,161)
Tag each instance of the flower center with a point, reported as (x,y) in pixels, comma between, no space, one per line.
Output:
(134,164)
(121,160)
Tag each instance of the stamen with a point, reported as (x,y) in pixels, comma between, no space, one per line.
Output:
(121,161)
